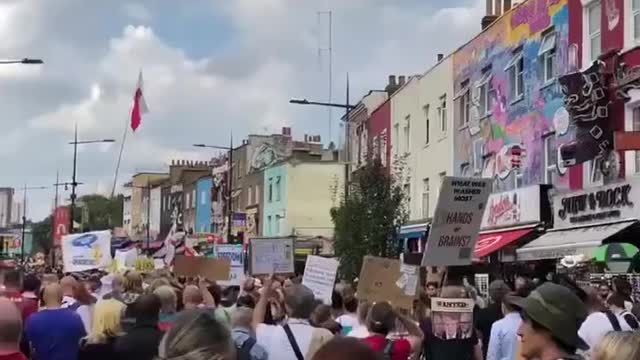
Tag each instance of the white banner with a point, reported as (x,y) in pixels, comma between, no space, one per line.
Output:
(320,276)
(235,255)
(86,251)
(456,221)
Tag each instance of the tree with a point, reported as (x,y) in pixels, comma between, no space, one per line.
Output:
(42,235)
(367,220)
(103,213)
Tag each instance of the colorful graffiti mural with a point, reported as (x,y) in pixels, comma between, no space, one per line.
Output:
(509,74)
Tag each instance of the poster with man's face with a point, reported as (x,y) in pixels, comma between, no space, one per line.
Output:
(452,319)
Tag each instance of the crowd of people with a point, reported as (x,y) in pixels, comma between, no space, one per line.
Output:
(160,316)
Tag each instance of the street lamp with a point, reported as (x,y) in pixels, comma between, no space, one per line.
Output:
(307,102)
(25,61)
(230,181)
(24,216)
(74,183)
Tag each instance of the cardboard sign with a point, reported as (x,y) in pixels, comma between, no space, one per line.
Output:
(86,251)
(452,319)
(271,256)
(210,269)
(320,276)
(456,221)
(381,279)
(235,255)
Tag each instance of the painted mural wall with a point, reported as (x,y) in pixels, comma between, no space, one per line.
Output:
(510,130)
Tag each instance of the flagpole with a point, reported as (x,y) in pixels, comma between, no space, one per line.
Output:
(115,176)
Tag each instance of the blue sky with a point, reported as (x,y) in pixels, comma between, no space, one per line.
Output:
(210,67)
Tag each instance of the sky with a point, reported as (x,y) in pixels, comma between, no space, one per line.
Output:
(210,68)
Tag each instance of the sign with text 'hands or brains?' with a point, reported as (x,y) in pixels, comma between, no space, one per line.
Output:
(320,276)
(273,255)
(383,279)
(86,251)
(456,222)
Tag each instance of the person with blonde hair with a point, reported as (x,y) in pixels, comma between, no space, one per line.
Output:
(168,305)
(618,345)
(105,328)
(132,287)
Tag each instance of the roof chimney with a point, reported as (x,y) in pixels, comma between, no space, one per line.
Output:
(440,57)
(493,11)
(306,138)
(401,80)
(392,86)
(286,131)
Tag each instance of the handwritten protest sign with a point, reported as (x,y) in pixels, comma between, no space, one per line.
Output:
(235,255)
(383,279)
(320,276)
(271,255)
(210,269)
(456,221)
(86,251)
(452,318)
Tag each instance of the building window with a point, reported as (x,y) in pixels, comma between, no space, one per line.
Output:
(442,113)
(277,225)
(270,193)
(407,134)
(635,13)
(396,138)
(486,94)
(595,170)
(547,54)
(425,109)
(550,158)
(464,102)
(593,19)
(194,201)
(636,127)
(203,197)
(269,224)
(278,189)
(257,196)
(515,68)
(478,155)
(406,188)
(425,198)
(250,196)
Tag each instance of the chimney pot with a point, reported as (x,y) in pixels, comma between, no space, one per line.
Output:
(440,57)
(306,138)
(401,80)
(392,80)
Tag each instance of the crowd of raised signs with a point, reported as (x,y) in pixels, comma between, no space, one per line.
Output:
(156,315)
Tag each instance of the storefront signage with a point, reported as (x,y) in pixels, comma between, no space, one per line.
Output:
(603,204)
(510,208)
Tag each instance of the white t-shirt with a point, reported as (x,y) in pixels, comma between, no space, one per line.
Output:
(348,322)
(359,332)
(274,339)
(596,326)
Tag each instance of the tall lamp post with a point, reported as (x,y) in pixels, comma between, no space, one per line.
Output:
(148,188)
(230,181)
(74,182)
(347,107)
(24,61)
(24,216)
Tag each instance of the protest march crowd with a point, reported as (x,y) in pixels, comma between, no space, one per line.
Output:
(157,315)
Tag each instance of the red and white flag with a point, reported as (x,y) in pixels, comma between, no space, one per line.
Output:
(139,105)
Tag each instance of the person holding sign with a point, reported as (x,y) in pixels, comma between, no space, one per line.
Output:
(381,322)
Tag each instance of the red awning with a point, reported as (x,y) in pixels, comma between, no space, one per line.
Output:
(494,241)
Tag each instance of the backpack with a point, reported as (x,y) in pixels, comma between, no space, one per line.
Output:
(631,320)
(388,348)
(615,324)
(244,351)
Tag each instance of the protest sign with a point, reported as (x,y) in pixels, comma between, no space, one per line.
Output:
(452,318)
(383,279)
(320,276)
(235,255)
(86,251)
(210,269)
(158,264)
(271,256)
(456,221)
(126,259)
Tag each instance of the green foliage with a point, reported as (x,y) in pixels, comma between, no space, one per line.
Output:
(103,213)
(42,235)
(367,220)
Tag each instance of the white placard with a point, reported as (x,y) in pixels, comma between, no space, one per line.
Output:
(320,276)
(272,256)
(86,251)
(235,255)
(126,259)
(158,264)
(457,220)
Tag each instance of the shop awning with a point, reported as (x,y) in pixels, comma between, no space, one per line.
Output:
(493,241)
(556,244)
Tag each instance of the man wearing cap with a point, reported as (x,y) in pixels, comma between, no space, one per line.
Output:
(551,317)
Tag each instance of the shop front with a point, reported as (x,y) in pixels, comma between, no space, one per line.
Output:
(512,218)
(586,219)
